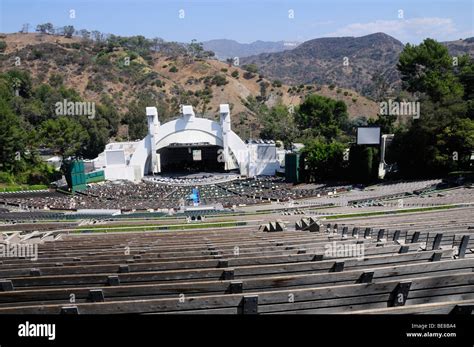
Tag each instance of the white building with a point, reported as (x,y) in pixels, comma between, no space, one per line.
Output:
(188,142)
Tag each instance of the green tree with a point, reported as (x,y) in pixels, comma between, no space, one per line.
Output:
(97,136)
(135,117)
(56,80)
(19,81)
(278,124)
(465,74)
(263,89)
(386,123)
(46,28)
(277,83)
(363,164)
(428,68)
(13,139)
(85,34)
(252,68)
(441,139)
(195,48)
(108,111)
(64,135)
(322,116)
(455,144)
(219,80)
(324,161)
(68,31)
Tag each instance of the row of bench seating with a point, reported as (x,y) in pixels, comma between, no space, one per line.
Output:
(249,271)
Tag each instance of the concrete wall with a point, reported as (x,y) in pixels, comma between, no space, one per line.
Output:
(140,156)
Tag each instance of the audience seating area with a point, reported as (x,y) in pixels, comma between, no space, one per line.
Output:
(149,195)
(375,195)
(192,180)
(411,263)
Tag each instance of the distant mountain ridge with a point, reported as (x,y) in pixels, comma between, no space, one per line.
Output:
(366,64)
(460,47)
(350,62)
(230,48)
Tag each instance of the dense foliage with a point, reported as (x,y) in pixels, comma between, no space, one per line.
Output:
(440,140)
(29,122)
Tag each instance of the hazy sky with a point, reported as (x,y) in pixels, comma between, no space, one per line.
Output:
(249,20)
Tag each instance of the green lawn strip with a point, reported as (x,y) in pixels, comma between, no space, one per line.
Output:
(161,227)
(180,216)
(377,213)
(436,191)
(177,222)
(431,192)
(322,207)
(18,188)
(285,209)
(131,219)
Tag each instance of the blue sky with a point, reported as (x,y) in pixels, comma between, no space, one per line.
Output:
(249,20)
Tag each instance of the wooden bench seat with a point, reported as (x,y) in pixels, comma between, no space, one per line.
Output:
(331,299)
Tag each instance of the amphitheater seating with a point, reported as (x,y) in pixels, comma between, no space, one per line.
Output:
(417,262)
(412,269)
(151,195)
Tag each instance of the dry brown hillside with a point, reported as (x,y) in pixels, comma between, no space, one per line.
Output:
(169,79)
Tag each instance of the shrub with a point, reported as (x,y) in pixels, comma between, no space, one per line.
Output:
(103,60)
(219,80)
(95,86)
(277,83)
(5,177)
(252,68)
(56,80)
(173,69)
(36,54)
(248,75)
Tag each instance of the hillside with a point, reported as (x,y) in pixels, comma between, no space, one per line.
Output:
(460,47)
(370,67)
(167,77)
(230,48)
